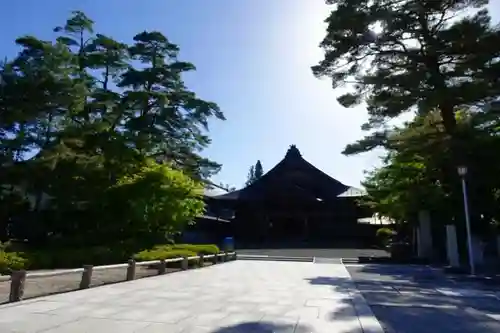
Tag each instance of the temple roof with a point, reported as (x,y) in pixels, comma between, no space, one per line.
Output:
(293,175)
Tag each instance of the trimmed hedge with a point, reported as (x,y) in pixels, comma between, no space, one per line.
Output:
(159,254)
(74,258)
(95,255)
(200,249)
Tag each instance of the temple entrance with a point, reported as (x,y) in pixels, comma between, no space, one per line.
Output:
(286,229)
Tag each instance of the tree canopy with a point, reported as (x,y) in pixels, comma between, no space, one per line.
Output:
(439,61)
(411,176)
(81,114)
(411,56)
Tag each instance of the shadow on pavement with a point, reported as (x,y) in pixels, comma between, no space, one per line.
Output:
(269,327)
(420,275)
(263,327)
(405,300)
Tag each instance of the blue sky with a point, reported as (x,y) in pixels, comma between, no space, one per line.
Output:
(253,58)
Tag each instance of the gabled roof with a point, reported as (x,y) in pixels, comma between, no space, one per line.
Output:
(293,175)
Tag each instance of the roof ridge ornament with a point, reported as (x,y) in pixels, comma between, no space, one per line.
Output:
(293,151)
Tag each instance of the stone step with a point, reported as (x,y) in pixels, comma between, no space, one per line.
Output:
(327,260)
(350,260)
(273,258)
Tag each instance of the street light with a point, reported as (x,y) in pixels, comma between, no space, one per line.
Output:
(462,172)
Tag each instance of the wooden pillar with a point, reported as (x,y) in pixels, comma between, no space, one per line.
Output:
(162,267)
(131,270)
(18,280)
(201,261)
(185,263)
(86,277)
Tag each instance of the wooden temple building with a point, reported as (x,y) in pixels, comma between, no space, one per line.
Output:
(293,203)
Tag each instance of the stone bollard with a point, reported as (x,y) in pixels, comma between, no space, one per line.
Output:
(162,267)
(131,270)
(225,257)
(86,276)
(214,259)
(185,263)
(201,262)
(18,280)
(235,256)
(452,246)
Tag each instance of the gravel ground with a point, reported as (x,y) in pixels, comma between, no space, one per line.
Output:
(42,286)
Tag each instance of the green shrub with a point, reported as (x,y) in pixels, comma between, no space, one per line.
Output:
(72,258)
(156,201)
(102,255)
(384,236)
(200,249)
(10,261)
(163,247)
(166,251)
(158,254)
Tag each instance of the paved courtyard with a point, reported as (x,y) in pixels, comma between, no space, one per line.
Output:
(269,297)
(416,299)
(239,296)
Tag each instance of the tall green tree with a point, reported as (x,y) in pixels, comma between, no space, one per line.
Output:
(256,171)
(411,55)
(250,176)
(410,178)
(80,113)
(155,203)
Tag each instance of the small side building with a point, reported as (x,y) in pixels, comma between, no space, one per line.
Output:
(214,225)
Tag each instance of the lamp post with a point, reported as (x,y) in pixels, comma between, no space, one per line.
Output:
(462,172)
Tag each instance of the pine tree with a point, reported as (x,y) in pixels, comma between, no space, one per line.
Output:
(258,170)
(250,176)
(411,55)
(84,112)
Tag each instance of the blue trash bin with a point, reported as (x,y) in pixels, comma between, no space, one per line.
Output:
(228,244)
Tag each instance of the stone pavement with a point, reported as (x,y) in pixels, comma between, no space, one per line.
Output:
(35,287)
(239,296)
(416,299)
(316,252)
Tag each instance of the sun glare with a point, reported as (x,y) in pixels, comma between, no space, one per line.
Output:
(377,28)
